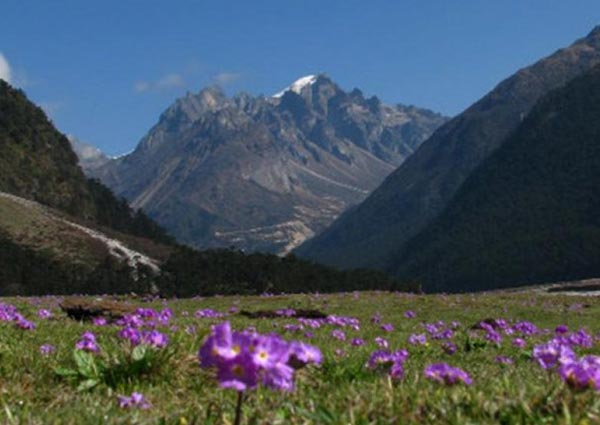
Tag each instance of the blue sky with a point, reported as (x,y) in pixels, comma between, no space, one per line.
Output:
(105,70)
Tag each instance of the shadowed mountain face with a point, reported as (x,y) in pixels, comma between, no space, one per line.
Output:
(265,173)
(371,234)
(530,213)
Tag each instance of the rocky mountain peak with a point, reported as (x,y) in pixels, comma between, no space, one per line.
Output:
(264,173)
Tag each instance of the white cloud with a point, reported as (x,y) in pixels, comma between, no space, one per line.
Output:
(225,78)
(167,82)
(5,72)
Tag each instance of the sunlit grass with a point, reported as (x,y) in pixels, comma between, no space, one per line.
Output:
(342,390)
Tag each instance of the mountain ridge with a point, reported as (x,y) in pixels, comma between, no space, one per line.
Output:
(529,213)
(414,194)
(215,169)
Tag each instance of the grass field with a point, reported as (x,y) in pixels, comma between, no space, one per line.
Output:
(38,388)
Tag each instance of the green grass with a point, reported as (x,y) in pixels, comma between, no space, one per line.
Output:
(341,391)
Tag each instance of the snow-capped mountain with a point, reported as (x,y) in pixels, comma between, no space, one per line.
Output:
(298,85)
(265,173)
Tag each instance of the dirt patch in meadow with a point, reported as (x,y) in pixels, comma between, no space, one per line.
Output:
(80,308)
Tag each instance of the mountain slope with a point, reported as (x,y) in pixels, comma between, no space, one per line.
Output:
(530,213)
(37,163)
(44,251)
(265,173)
(416,193)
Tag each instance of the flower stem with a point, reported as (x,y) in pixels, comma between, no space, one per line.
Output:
(238,408)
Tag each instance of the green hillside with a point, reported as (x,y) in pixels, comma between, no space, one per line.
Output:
(37,163)
(530,213)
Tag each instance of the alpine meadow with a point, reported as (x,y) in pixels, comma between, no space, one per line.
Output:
(230,212)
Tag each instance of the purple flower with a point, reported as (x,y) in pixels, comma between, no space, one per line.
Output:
(382,342)
(449,347)
(131,320)
(136,400)
(431,328)
(394,362)
(270,350)
(417,339)
(207,313)
(304,354)
(99,321)
(133,335)
(494,337)
(155,339)
(519,342)
(526,328)
(338,334)
(238,372)
(397,370)
(22,323)
(378,358)
(445,334)
(44,314)
(388,327)
(552,354)
(446,374)
(357,342)
(87,343)
(47,349)
(244,359)
(286,312)
(164,316)
(376,318)
(503,360)
(561,329)
(409,314)
(581,338)
(581,374)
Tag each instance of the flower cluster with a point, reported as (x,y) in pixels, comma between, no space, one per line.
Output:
(558,354)
(208,313)
(152,338)
(87,343)
(140,327)
(392,361)
(446,374)
(245,359)
(9,313)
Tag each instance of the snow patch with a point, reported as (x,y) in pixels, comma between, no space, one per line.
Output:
(298,85)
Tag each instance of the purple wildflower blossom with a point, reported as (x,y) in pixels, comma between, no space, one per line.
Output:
(417,339)
(44,314)
(338,334)
(87,343)
(449,347)
(382,342)
(519,342)
(47,349)
(444,373)
(503,360)
(136,400)
(99,321)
